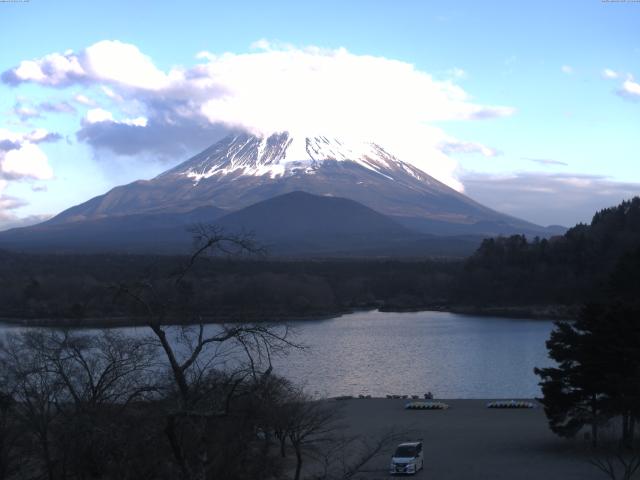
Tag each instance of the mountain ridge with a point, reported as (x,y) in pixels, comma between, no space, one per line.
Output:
(296,224)
(243,169)
(243,173)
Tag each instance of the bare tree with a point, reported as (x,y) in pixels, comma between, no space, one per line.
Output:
(189,401)
(198,357)
(349,457)
(257,341)
(96,369)
(70,391)
(309,425)
(36,392)
(10,435)
(315,431)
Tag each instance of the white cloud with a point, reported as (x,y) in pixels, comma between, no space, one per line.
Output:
(56,107)
(567,69)
(55,70)
(630,88)
(28,161)
(109,61)
(111,94)
(136,122)
(84,100)
(262,44)
(314,90)
(204,55)
(456,146)
(610,74)
(574,197)
(25,112)
(99,115)
(307,91)
(20,159)
(7,205)
(40,135)
(4,203)
(20,156)
(124,64)
(96,115)
(546,161)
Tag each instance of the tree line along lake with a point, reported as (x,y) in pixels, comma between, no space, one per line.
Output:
(384,353)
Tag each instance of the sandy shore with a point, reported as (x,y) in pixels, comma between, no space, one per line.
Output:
(470,441)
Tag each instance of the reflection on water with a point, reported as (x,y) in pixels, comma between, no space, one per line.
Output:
(380,353)
(453,356)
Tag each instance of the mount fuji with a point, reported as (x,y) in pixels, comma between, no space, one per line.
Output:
(242,170)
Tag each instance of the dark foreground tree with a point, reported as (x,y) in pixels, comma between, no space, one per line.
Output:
(72,398)
(574,391)
(10,435)
(597,377)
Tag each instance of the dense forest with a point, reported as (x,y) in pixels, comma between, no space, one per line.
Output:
(565,270)
(85,287)
(504,273)
(594,381)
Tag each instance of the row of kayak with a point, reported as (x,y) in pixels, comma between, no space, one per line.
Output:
(426,406)
(444,406)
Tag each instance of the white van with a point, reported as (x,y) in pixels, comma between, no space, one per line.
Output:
(408,458)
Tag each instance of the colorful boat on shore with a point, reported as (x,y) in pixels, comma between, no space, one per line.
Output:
(511,404)
(426,406)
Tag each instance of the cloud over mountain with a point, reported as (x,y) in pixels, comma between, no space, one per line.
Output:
(21,159)
(273,88)
(558,198)
(20,156)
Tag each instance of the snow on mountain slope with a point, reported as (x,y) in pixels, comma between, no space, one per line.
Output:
(281,155)
(243,169)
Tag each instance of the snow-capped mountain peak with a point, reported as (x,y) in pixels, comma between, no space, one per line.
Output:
(282,154)
(242,170)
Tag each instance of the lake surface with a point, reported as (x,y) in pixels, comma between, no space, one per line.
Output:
(451,355)
(380,353)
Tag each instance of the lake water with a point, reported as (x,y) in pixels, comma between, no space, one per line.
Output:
(380,353)
(453,356)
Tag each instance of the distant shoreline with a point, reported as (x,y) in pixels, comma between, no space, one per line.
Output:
(531,312)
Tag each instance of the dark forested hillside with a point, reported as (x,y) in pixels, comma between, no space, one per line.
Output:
(562,270)
(82,288)
(508,275)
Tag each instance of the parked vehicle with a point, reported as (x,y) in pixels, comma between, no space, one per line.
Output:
(408,458)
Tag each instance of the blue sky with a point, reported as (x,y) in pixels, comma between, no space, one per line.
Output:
(559,80)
